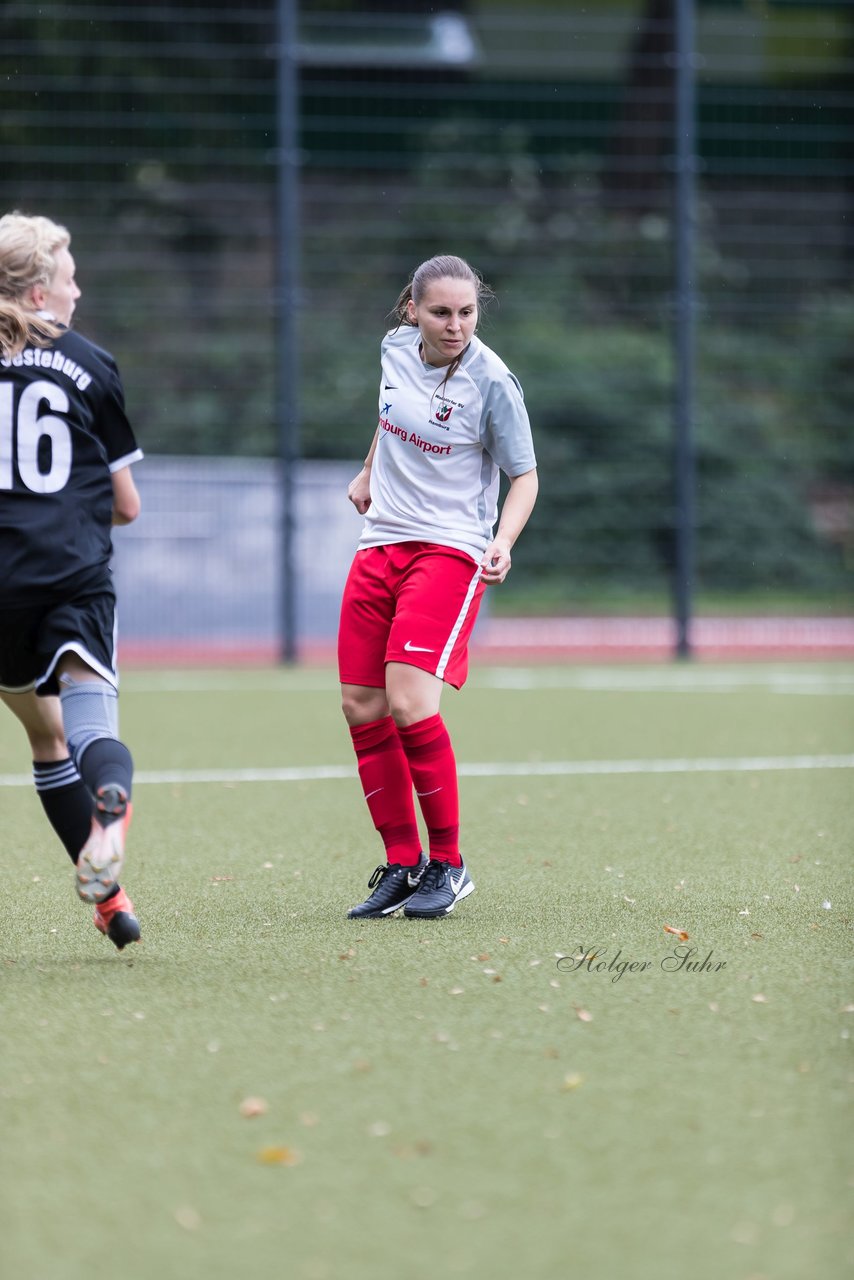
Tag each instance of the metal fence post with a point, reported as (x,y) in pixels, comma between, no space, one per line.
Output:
(287,309)
(684,321)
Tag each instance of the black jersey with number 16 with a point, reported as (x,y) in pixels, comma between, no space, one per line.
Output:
(63,432)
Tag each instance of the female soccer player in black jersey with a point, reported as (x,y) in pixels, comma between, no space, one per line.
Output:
(65,452)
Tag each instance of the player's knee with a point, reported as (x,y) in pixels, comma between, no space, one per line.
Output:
(407,707)
(362,705)
(89,712)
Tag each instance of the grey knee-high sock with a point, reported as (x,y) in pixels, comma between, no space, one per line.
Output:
(90,717)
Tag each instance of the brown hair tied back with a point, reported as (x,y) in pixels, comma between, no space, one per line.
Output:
(443,267)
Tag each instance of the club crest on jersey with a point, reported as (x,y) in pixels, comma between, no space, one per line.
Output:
(444,412)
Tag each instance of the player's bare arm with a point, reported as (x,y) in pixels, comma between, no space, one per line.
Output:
(359,489)
(126,500)
(515,513)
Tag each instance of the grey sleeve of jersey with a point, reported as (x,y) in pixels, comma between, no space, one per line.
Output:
(504,428)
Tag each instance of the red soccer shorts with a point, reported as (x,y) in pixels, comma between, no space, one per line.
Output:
(412,602)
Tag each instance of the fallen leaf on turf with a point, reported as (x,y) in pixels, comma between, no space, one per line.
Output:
(423,1197)
(278,1155)
(583,1015)
(409,1150)
(347,955)
(783,1215)
(847,1008)
(423,982)
(574,1080)
(220,879)
(253,1107)
(759,999)
(681,934)
(188,1218)
(456,991)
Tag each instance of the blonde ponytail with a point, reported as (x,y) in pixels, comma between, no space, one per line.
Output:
(20,328)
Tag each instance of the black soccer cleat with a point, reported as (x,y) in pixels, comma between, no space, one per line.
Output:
(440,890)
(393,885)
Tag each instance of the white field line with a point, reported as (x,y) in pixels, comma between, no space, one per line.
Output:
(521,679)
(670,681)
(497,769)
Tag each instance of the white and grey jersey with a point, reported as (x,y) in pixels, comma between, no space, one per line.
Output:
(442,445)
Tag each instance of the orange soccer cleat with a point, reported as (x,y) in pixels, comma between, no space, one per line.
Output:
(117,920)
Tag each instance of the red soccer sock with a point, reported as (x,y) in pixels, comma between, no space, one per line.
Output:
(387,785)
(434,773)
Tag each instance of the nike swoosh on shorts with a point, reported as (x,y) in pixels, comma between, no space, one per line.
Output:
(416,648)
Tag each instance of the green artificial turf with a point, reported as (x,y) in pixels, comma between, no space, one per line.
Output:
(452,1098)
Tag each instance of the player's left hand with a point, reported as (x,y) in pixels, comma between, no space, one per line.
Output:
(495,564)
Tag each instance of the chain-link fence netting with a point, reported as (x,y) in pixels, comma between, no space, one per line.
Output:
(537,140)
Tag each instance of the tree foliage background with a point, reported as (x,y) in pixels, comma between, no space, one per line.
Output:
(534,139)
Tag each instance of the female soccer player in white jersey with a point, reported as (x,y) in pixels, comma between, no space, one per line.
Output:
(450,416)
(65,452)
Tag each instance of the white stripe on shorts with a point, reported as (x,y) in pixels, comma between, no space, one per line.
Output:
(461,617)
(73,646)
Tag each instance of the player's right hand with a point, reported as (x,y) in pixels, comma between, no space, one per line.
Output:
(359,491)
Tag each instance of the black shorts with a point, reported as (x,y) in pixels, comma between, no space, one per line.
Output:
(34,637)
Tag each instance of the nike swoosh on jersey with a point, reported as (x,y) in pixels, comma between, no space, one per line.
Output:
(416,648)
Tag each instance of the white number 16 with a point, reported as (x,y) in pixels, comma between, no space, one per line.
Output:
(31,426)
